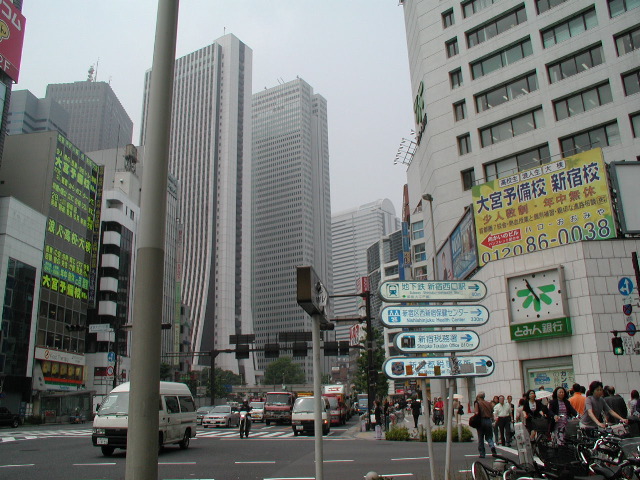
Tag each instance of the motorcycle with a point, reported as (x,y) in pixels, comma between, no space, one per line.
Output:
(438,416)
(245,424)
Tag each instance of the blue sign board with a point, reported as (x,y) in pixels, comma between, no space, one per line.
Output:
(111,357)
(625,286)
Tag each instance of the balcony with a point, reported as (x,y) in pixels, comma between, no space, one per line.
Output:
(109,284)
(109,260)
(107,307)
(111,238)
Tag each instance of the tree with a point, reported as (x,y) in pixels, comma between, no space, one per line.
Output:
(381,387)
(165,371)
(283,371)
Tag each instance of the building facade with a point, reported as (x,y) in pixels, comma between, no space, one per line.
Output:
(210,155)
(29,114)
(501,89)
(97,119)
(291,207)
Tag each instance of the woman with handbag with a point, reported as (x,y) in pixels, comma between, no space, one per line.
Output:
(535,414)
(560,410)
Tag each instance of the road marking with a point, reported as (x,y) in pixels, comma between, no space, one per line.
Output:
(336,461)
(176,463)
(410,458)
(256,461)
(92,464)
(25,465)
(8,439)
(290,478)
(464,471)
(397,475)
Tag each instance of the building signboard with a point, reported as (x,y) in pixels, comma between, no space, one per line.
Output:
(555,204)
(559,327)
(432,291)
(443,341)
(464,255)
(12,25)
(396,368)
(58,356)
(401,316)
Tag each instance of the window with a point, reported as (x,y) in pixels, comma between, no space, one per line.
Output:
(569,28)
(452,47)
(417,230)
(419,253)
(474,6)
(447,18)
(464,144)
(544,5)
(515,163)
(628,41)
(631,82)
(496,26)
(455,78)
(502,58)
(420,273)
(618,7)
(576,63)
(582,101)
(460,110)
(506,92)
(511,128)
(602,136)
(468,179)
(635,124)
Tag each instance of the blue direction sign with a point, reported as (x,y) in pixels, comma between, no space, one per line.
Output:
(434,316)
(432,291)
(625,286)
(400,368)
(444,341)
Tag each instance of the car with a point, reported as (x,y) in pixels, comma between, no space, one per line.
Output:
(257,411)
(201,412)
(9,419)
(303,416)
(222,416)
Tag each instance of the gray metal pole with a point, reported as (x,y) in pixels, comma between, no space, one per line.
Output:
(449,417)
(317,394)
(427,421)
(142,437)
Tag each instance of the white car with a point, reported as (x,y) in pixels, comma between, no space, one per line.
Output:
(257,411)
(222,416)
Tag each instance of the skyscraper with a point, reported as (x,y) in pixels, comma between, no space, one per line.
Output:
(98,120)
(352,232)
(29,114)
(210,155)
(291,205)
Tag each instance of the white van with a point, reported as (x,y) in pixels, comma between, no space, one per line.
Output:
(303,416)
(177,417)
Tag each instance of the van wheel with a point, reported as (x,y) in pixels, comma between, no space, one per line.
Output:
(160,445)
(267,422)
(295,433)
(184,444)
(107,451)
(15,423)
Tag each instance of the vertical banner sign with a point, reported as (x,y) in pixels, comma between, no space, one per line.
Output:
(555,204)
(12,24)
(463,247)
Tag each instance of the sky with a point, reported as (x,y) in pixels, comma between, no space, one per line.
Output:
(352,52)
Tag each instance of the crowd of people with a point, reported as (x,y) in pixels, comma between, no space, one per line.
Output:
(541,413)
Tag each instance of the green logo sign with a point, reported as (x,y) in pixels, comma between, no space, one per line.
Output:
(559,327)
(537,298)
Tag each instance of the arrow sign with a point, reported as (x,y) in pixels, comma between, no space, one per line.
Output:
(400,368)
(432,291)
(434,316)
(446,341)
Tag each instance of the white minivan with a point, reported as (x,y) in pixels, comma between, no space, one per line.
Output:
(303,416)
(177,412)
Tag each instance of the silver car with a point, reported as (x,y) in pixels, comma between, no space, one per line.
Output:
(201,412)
(257,411)
(222,416)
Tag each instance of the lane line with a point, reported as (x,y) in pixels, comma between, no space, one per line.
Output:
(336,461)
(176,463)
(256,461)
(409,458)
(398,475)
(92,464)
(25,465)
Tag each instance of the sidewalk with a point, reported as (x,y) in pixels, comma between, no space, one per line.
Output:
(356,432)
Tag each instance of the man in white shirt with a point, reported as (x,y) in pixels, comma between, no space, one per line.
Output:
(502,414)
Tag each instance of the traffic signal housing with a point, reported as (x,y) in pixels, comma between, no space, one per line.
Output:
(618,347)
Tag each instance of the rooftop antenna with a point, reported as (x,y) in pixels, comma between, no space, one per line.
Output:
(90,74)
(96,76)
(224,30)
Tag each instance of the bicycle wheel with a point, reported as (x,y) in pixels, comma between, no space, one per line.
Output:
(479,471)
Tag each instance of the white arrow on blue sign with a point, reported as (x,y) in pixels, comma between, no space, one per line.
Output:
(434,316)
(443,341)
(625,286)
(400,368)
(432,291)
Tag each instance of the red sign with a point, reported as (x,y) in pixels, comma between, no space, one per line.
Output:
(504,237)
(363,284)
(12,24)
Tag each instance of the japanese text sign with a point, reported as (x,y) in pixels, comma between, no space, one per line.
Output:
(12,24)
(395,316)
(443,341)
(432,291)
(559,327)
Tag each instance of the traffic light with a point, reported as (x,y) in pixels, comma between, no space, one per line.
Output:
(343,348)
(330,349)
(618,348)
(299,349)
(271,350)
(242,351)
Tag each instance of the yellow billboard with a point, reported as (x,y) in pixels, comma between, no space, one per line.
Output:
(551,205)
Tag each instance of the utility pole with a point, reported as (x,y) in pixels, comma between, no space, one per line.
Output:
(370,368)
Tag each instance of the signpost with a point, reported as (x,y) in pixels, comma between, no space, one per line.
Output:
(395,316)
(432,291)
(397,368)
(443,341)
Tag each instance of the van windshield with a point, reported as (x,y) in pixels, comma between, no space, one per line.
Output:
(115,404)
(304,405)
(278,398)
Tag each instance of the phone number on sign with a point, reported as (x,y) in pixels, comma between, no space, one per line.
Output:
(600,230)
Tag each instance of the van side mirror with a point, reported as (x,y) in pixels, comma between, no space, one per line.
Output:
(97,407)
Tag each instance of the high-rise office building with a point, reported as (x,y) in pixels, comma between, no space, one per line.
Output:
(98,120)
(512,98)
(291,206)
(210,155)
(29,114)
(352,232)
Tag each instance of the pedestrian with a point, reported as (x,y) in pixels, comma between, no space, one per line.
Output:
(520,416)
(415,409)
(633,411)
(560,410)
(616,403)
(482,408)
(534,410)
(595,407)
(494,424)
(377,412)
(513,419)
(502,416)
(385,411)
(577,400)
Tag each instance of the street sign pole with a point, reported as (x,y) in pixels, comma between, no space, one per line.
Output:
(317,393)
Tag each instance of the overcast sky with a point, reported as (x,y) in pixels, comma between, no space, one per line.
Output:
(352,52)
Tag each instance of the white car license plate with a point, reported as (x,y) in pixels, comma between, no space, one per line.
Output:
(299,427)
(102,441)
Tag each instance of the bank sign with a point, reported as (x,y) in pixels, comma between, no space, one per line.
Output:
(551,205)
(560,327)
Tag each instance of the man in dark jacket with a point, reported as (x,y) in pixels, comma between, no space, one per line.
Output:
(616,403)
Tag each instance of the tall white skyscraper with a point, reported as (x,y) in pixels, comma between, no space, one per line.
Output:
(211,158)
(291,206)
(352,232)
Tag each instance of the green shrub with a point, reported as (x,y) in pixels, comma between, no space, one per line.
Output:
(440,435)
(397,434)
